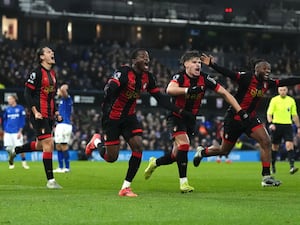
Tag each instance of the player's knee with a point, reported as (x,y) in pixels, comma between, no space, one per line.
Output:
(265,144)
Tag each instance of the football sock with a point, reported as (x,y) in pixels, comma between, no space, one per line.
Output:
(60,157)
(102,150)
(266,169)
(47,161)
(183,180)
(204,152)
(182,159)
(274,155)
(291,157)
(28,147)
(126,184)
(165,160)
(133,165)
(67,159)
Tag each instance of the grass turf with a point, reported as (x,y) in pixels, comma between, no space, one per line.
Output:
(224,194)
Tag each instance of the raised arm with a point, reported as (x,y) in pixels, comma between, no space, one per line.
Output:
(209,61)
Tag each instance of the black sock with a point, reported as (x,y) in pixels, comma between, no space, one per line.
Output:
(133,166)
(291,157)
(182,163)
(48,168)
(165,160)
(274,156)
(101,149)
(24,148)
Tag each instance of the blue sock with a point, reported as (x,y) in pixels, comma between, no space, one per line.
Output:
(60,158)
(67,159)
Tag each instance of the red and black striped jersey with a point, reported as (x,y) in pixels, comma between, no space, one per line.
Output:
(192,103)
(42,85)
(251,90)
(122,102)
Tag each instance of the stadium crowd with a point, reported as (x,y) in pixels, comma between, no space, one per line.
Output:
(88,68)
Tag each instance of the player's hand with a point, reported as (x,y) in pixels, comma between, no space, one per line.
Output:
(272,127)
(58,118)
(244,117)
(207,60)
(195,90)
(38,116)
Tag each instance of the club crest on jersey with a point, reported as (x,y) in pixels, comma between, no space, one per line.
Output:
(265,85)
(145,86)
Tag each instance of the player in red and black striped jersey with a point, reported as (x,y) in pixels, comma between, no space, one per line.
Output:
(251,89)
(40,91)
(187,89)
(119,114)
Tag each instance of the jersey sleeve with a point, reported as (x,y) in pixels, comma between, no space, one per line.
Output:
(152,87)
(270,109)
(294,108)
(33,80)
(210,82)
(22,116)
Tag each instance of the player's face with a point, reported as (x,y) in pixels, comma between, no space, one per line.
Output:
(48,56)
(263,70)
(141,62)
(193,66)
(11,100)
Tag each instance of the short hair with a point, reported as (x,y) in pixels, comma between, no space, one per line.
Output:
(135,53)
(189,55)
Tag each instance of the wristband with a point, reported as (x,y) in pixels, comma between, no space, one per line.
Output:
(186,90)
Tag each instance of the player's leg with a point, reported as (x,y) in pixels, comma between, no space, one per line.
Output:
(58,139)
(274,153)
(182,145)
(60,157)
(134,163)
(259,133)
(289,145)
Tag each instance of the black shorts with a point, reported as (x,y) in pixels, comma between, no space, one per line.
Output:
(127,127)
(282,131)
(233,129)
(43,128)
(177,125)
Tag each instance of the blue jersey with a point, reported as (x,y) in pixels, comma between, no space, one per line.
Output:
(13,118)
(65,108)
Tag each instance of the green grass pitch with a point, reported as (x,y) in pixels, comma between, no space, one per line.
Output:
(224,194)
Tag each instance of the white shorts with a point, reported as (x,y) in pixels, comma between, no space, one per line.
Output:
(62,134)
(11,139)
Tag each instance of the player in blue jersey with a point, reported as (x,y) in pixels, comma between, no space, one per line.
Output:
(13,123)
(63,130)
